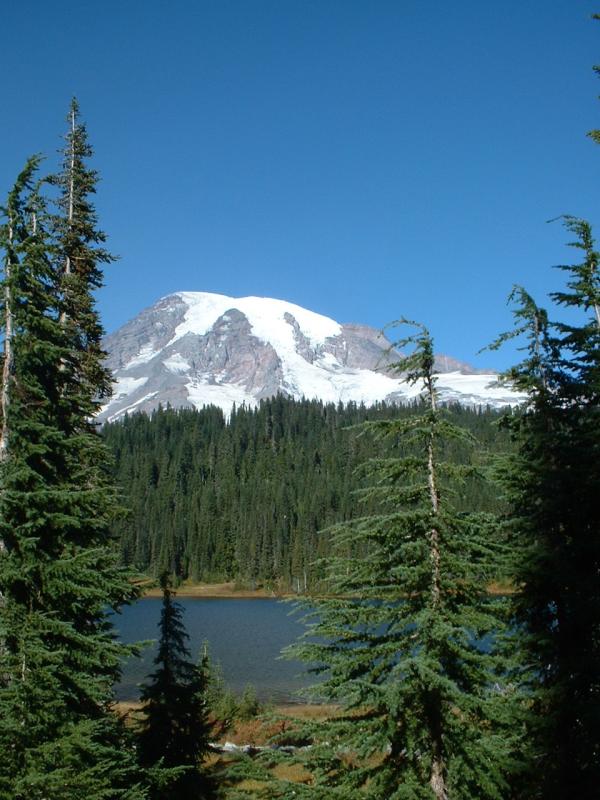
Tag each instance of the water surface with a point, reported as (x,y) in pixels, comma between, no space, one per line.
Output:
(245,636)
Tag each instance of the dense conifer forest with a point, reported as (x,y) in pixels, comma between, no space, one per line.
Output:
(251,497)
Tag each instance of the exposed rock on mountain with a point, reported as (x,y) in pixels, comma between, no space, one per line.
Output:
(195,348)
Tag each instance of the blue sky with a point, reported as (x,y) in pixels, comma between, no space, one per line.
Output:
(366,159)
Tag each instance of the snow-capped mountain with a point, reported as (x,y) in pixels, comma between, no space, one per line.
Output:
(195,348)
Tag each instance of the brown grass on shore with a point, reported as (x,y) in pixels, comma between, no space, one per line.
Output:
(256,730)
(227,590)
(501,587)
(230,590)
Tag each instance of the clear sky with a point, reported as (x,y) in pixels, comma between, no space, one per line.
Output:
(365,159)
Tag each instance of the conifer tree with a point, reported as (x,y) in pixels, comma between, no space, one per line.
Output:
(58,573)
(175,729)
(79,258)
(555,521)
(398,643)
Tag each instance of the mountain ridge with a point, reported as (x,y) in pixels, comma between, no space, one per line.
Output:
(192,349)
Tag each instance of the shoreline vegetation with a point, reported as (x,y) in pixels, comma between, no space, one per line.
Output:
(227,590)
(255,729)
(231,590)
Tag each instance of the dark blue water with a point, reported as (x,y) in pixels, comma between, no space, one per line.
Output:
(245,636)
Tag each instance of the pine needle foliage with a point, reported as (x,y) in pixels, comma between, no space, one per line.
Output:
(80,255)
(58,574)
(250,498)
(175,729)
(403,644)
(552,482)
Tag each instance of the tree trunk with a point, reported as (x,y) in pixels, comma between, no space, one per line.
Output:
(434,536)
(437,779)
(71,205)
(8,365)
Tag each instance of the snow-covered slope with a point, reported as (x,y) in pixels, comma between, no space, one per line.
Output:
(196,348)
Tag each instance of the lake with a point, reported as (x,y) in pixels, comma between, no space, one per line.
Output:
(245,636)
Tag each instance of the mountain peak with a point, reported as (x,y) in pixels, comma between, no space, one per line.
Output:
(269,318)
(197,348)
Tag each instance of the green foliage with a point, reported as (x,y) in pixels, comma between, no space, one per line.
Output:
(225,706)
(251,498)
(425,708)
(221,701)
(79,256)
(175,729)
(250,705)
(552,481)
(59,577)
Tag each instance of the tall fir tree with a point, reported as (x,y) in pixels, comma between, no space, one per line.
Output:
(79,259)
(399,641)
(175,729)
(552,482)
(58,573)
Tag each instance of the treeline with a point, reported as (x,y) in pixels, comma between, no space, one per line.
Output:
(251,497)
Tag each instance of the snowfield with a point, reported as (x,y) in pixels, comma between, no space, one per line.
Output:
(289,349)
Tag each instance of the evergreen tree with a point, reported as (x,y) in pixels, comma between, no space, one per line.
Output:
(552,481)
(58,574)
(79,258)
(175,729)
(399,642)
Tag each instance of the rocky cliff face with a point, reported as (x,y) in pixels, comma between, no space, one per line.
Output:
(195,348)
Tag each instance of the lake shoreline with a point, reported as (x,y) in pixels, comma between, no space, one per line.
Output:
(223,591)
(232,591)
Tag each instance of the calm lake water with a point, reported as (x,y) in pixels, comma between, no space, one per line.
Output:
(244,636)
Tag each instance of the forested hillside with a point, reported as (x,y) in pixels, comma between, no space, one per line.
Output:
(251,497)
